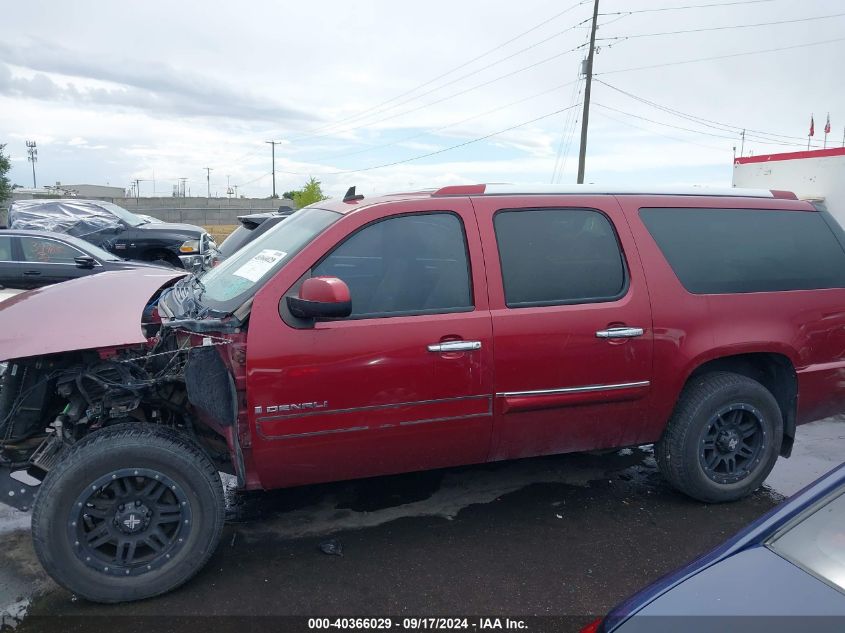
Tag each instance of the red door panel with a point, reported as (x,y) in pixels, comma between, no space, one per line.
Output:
(560,384)
(363,397)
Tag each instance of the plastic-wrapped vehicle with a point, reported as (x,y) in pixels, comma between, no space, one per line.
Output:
(117,230)
(423,330)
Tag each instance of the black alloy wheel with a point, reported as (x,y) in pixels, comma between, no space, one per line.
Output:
(130,522)
(732,443)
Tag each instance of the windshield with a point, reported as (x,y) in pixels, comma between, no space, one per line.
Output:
(228,285)
(817,544)
(127,216)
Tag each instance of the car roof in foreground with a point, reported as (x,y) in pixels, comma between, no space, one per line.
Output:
(752,536)
(346,206)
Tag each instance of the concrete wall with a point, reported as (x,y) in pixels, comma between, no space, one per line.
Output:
(201,211)
(813,175)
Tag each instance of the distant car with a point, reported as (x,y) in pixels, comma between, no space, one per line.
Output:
(790,563)
(31,259)
(252,226)
(117,230)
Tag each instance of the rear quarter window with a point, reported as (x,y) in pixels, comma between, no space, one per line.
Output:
(716,251)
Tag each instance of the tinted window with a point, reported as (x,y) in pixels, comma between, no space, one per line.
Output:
(747,250)
(245,234)
(48,251)
(558,256)
(404,265)
(5,248)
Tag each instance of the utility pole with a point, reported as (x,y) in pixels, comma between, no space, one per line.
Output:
(273,154)
(32,151)
(742,147)
(208,171)
(137,188)
(585,119)
(181,190)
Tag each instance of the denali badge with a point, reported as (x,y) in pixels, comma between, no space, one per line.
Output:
(276,408)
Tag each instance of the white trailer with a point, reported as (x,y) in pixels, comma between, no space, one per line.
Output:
(817,175)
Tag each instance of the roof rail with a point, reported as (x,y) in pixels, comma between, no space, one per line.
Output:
(509,189)
(460,190)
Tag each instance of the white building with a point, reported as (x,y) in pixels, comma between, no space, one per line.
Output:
(817,175)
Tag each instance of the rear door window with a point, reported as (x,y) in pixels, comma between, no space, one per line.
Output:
(558,256)
(6,248)
(716,251)
(409,264)
(45,251)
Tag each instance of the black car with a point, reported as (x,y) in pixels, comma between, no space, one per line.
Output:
(252,226)
(31,259)
(117,230)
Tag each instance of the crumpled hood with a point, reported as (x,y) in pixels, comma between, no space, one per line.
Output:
(99,310)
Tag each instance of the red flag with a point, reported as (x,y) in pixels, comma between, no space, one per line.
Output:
(827,125)
(812,126)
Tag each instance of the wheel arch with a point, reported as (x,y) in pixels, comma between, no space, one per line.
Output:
(774,370)
(152,254)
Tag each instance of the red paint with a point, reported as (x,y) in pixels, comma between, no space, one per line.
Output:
(324,289)
(351,398)
(813,153)
(90,312)
(387,405)
(783,195)
(460,190)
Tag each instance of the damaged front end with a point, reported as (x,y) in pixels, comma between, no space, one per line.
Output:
(178,373)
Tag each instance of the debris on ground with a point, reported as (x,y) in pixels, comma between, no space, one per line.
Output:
(332,547)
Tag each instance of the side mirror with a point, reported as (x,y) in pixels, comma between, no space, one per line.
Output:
(321,298)
(85,261)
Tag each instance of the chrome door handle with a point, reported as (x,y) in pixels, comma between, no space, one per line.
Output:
(620,332)
(454,346)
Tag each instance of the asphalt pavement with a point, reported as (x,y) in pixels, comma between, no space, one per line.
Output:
(565,535)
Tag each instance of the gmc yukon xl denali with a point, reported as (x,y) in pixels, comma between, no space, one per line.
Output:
(415,331)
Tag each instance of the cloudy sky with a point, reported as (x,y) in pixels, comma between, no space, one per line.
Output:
(388,95)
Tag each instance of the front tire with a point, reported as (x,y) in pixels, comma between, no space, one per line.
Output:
(723,438)
(131,512)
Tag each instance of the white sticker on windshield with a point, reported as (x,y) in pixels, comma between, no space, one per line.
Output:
(258,266)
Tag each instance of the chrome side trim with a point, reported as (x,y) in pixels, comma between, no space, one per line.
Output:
(585,389)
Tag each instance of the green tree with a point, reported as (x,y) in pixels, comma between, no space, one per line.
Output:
(5,166)
(309,194)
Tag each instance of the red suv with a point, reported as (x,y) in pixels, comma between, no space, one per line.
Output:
(414,331)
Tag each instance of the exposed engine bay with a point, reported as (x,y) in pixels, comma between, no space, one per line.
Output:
(181,378)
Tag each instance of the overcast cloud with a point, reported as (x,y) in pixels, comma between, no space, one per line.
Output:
(166,89)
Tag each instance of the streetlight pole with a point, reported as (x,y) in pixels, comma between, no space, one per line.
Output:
(273,155)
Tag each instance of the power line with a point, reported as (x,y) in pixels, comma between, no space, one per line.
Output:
(435,153)
(686,129)
(724,28)
(444,127)
(638,127)
(465,91)
(448,72)
(689,6)
(461,78)
(718,125)
(715,57)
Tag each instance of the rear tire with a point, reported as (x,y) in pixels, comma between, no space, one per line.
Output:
(723,438)
(132,511)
